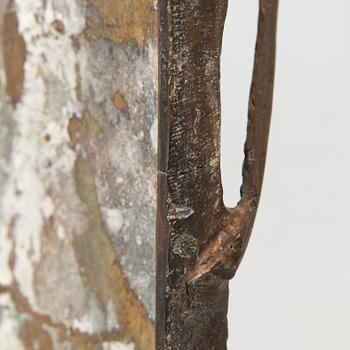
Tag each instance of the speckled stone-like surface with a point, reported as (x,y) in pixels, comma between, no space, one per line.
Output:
(78,157)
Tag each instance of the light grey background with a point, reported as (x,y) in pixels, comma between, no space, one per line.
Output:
(292,290)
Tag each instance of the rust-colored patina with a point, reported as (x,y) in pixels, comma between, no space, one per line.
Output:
(14,56)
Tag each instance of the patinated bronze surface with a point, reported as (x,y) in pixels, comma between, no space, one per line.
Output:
(78,174)
(200,241)
(84,87)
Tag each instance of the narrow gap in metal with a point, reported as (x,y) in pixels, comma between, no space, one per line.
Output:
(237,61)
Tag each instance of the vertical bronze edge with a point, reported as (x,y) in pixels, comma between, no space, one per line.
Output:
(162,230)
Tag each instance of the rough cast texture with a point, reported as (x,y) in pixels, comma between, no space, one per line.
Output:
(78,135)
(200,242)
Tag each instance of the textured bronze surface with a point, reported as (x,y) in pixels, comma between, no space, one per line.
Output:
(200,242)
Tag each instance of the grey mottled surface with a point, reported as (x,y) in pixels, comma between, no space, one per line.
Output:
(78,176)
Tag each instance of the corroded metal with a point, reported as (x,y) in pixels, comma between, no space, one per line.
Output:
(78,148)
(201,241)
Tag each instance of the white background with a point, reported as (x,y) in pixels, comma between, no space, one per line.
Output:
(292,291)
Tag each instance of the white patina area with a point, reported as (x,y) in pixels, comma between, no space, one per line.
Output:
(154,135)
(113,219)
(9,324)
(111,319)
(36,163)
(117,346)
(41,153)
(125,157)
(41,212)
